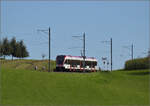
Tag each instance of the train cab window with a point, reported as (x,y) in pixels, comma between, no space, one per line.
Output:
(60,60)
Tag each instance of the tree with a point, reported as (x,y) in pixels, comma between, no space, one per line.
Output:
(22,49)
(18,49)
(13,47)
(1,49)
(149,53)
(24,52)
(6,47)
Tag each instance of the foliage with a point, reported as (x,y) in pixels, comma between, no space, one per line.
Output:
(6,48)
(13,44)
(14,48)
(1,49)
(24,52)
(21,51)
(139,63)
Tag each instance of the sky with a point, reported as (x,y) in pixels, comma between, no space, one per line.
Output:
(126,22)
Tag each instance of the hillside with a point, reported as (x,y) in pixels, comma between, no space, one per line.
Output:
(28,64)
(21,86)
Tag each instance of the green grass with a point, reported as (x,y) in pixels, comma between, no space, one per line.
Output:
(28,64)
(28,87)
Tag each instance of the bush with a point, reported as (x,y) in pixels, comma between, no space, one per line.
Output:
(140,63)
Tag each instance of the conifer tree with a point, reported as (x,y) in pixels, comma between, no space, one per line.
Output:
(6,47)
(1,49)
(23,52)
(18,51)
(13,47)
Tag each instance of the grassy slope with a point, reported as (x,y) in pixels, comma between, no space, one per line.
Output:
(27,64)
(103,88)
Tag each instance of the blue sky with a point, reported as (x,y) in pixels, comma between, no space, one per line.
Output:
(126,22)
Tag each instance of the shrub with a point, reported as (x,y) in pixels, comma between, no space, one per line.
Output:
(140,63)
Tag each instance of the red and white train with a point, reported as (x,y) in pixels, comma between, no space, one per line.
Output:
(75,63)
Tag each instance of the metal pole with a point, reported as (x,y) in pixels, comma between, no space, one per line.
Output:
(111,52)
(132,51)
(81,53)
(84,52)
(49,51)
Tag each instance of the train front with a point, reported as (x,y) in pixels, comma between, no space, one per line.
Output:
(60,63)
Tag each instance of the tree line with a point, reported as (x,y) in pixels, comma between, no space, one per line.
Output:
(13,48)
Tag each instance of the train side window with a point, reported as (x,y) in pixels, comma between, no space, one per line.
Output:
(95,63)
(69,61)
(75,62)
(78,62)
(88,63)
(81,63)
(66,61)
(92,64)
(72,63)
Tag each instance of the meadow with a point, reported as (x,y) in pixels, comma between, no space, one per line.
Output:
(22,85)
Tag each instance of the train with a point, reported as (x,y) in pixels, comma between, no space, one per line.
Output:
(76,64)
